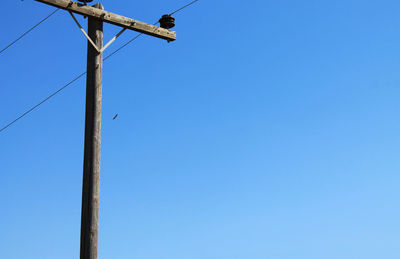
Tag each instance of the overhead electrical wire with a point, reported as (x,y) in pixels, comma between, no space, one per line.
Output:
(82,74)
(183,7)
(28,31)
(43,101)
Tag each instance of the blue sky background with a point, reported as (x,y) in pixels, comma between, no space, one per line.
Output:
(268,130)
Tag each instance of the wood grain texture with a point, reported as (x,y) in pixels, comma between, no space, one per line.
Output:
(112,18)
(91,163)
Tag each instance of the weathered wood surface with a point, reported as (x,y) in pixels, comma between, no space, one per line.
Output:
(112,18)
(91,164)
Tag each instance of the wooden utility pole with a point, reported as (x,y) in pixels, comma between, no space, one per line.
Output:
(91,165)
(91,161)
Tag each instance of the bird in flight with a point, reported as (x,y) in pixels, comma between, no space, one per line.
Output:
(116,115)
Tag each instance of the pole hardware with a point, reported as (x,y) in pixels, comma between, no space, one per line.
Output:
(112,18)
(167,21)
(90,40)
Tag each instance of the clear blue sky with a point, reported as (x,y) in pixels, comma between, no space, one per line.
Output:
(268,130)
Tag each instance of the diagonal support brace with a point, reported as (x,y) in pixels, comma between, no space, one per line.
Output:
(112,40)
(84,33)
(90,40)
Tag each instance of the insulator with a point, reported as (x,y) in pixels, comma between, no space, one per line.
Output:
(167,21)
(85,1)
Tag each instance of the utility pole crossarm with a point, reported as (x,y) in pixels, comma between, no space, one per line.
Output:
(112,18)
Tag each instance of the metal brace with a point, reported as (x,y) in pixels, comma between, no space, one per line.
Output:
(90,40)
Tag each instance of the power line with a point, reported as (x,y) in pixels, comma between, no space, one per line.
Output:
(28,31)
(79,76)
(123,46)
(183,7)
(43,101)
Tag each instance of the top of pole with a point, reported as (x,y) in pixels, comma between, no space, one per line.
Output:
(112,18)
